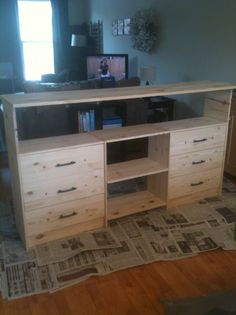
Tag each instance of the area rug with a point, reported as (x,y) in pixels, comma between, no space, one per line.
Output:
(220,303)
(154,235)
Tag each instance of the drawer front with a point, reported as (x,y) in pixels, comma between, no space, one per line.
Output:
(66,163)
(189,184)
(66,214)
(55,191)
(197,139)
(196,162)
(64,232)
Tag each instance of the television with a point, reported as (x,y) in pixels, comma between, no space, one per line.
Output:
(107,67)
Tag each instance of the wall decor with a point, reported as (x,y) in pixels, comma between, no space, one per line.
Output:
(127,26)
(144,30)
(114,28)
(120,25)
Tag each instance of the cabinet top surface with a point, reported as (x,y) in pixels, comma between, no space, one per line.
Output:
(97,95)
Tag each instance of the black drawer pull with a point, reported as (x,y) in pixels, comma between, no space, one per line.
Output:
(60,191)
(197,184)
(65,164)
(198,162)
(64,216)
(200,140)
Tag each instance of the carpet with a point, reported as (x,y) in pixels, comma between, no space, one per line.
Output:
(220,303)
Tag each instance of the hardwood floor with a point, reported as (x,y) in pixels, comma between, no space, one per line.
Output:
(138,290)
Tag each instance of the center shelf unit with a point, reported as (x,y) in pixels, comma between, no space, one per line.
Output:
(154,167)
(65,184)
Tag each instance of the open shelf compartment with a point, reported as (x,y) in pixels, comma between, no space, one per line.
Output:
(153,196)
(155,161)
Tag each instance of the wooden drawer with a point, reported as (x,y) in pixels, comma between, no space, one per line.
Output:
(62,215)
(196,162)
(197,139)
(193,183)
(54,191)
(64,232)
(65,163)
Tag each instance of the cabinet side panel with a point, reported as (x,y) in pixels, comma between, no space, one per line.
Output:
(230,163)
(157,185)
(217,105)
(12,148)
(158,149)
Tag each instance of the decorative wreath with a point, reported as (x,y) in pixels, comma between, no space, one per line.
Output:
(144,30)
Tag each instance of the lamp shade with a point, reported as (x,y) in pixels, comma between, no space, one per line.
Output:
(148,73)
(78,40)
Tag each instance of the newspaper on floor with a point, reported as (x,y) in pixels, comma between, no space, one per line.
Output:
(193,240)
(228,215)
(28,278)
(201,212)
(98,262)
(70,276)
(224,236)
(63,249)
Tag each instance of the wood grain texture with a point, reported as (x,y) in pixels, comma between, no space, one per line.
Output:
(98,95)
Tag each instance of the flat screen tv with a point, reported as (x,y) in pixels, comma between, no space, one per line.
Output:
(107,66)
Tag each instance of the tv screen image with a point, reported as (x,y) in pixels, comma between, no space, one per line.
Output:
(107,66)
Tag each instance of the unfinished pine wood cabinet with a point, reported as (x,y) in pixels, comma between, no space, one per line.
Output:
(61,185)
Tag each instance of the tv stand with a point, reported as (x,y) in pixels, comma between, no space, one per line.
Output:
(60,184)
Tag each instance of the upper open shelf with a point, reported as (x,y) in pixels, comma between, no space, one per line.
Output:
(100,95)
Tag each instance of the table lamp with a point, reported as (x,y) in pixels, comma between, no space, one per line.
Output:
(148,74)
(78,40)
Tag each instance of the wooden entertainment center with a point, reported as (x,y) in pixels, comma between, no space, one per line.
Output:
(60,184)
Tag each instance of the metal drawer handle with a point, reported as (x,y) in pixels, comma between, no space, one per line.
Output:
(60,191)
(64,216)
(198,162)
(65,164)
(200,140)
(197,184)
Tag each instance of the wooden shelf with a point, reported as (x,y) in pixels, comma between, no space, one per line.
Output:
(57,143)
(98,95)
(129,132)
(189,123)
(132,203)
(132,169)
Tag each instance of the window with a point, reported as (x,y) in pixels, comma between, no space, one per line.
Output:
(35,19)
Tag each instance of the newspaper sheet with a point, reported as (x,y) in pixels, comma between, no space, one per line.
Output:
(228,215)
(193,240)
(200,212)
(224,236)
(63,249)
(27,279)
(98,262)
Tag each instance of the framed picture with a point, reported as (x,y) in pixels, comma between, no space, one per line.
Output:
(114,28)
(120,25)
(127,26)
